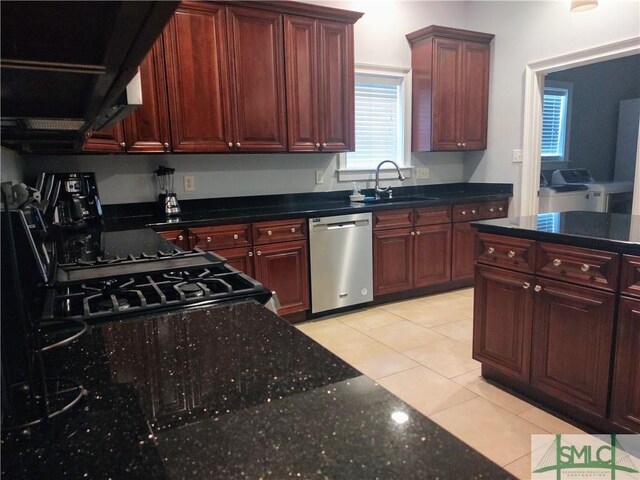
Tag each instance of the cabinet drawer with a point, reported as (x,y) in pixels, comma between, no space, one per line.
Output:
(433,215)
(176,237)
(392,219)
(222,236)
(493,209)
(582,266)
(630,277)
(513,253)
(279,231)
(466,212)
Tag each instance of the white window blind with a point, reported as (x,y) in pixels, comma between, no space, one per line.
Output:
(548,222)
(554,122)
(379,121)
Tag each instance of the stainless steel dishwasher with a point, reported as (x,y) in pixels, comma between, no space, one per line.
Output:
(341,261)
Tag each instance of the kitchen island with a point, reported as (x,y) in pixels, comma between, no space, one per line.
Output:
(557,313)
(230,391)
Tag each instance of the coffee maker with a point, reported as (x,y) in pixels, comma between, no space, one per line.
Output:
(71,200)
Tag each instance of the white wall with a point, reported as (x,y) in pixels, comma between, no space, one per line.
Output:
(525,32)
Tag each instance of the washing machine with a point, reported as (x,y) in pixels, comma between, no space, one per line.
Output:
(563,198)
(603,196)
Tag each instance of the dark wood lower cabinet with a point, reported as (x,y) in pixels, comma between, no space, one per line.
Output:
(240,258)
(464,251)
(432,255)
(572,344)
(503,311)
(392,260)
(625,400)
(283,268)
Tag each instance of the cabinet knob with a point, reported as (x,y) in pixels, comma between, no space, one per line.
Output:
(464,212)
(122,144)
(250,254)
(180,237)
(238,144)
(235,236)
(458,144)
(557,262)
(511,254)
(324,145)
(230,144)
(293,230)
(492,209)
(258,253)
(526,285)
(490,250)
(473,211)
(500,209)
(413,233)
(269,232)
(537,288)
(317,145)
(208,239)
(585,267)
(166,146)
(464,144)
(418,232)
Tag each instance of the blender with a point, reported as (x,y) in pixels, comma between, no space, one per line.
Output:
(167,197)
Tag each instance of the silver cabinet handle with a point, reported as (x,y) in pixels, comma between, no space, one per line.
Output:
(324,145)
(293,230)
(180,237)
(492,209)
(208,239)
(166,146)
(585,267)
(557,262)
(500,209)
(537,288)
(463,212)
(473,211)
(269,232)
(251,254)
(230,144)
(526,285)
(418,232)
(458,144)
(511,254)
(122,144)
(258,253)
(235,236)
(490,250)
(317,145)
(238,145)
(413,233)
(464,144)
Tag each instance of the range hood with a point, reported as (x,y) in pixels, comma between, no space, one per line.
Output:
(68,67)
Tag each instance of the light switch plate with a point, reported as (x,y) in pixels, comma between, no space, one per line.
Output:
(422,173)
(517,156)
(189,183)
(319,177)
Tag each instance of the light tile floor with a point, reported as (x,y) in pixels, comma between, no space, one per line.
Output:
(420,350)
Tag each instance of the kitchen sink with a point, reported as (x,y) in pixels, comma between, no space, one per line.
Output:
(399,199)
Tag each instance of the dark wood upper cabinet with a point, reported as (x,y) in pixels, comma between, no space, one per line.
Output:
(198,79)
(258,109)
(109,140)
(450,89)
(146,130)
(320,84)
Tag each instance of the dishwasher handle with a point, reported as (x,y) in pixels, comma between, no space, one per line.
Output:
(319,227)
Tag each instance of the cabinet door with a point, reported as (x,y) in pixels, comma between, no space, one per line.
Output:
(240,258)
(572,342)
(447,80)
(392,260)
(337,126)
(257,72)
(147,129)
(283,268)
(109,140)
(625,401)
(502,315)
(475,95)
(463,251)
(432,255)
(197,79)
(303,113)
(177,237)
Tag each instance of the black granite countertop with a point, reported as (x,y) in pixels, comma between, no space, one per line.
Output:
(268,207)
(227,392)
(606,231)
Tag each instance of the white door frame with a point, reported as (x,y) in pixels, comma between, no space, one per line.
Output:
(532,135)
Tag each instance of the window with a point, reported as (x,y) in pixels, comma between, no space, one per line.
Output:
(548,222)
(380,126)
(556,106)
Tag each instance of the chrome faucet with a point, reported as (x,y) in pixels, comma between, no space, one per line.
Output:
(386,190)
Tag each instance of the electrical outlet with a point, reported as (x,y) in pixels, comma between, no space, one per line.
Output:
(517,156)
(422,173)
(189,183)
(319,177)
